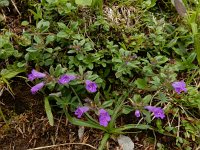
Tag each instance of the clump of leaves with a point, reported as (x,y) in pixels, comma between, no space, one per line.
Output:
(144,59)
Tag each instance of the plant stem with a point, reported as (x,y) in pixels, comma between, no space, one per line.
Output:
(82,105)
(2,115)
(116,111)
(103,141)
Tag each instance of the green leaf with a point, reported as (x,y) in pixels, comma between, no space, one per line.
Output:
(147,99)
(2,115)
(153,3)
(50,50)
(4,3)
(191,58)
(48,111)
(161,59)
(169,128)
(118,74)
(83,2)
(49,39)
(137,98)
(51,70)
(159,124)
(58,70)
(25,23)
(172,42)
(96,98)
(141,83)
(162,97)
(127,109)
(107,103)
(31,49)
(81,70)
(50,1)
(38,39)
(10,73)
(194,27)
(43,25)
(80,56)
(62,25)
(131,126)
(49,62)
(117,109)
(147,116)
(62,34)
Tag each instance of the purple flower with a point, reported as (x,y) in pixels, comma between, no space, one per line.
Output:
(35,74)
(81,110)
(65,79)
(91,86)
(179,86)
(157,111)
(137,113)
(37,87)
(104,117)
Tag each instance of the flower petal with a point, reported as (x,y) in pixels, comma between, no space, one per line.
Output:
(65,79)
(91,86)
(104,117)
(81,110)
(37,87)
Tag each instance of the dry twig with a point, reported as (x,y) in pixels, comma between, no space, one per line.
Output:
(15,7)
(51,146)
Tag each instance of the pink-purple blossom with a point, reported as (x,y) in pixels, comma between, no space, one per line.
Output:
(37,87)
(104,117)
(65,79)
(91,86)
(35,75)
(81,110)
(179,86)
(137,113)
(157,111)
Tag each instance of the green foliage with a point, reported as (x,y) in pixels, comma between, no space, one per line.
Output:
(7,74)
(84,2)
(134,54)
(4,3)
(7,49)
(193,22)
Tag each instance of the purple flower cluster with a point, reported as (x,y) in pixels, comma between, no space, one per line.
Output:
(90,86)
(36,75)
(64,79)
(179,86)
(157,111)
(104,116)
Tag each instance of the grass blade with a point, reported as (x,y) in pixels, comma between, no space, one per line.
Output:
(48,111)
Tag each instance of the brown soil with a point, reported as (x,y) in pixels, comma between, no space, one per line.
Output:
(27,126)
